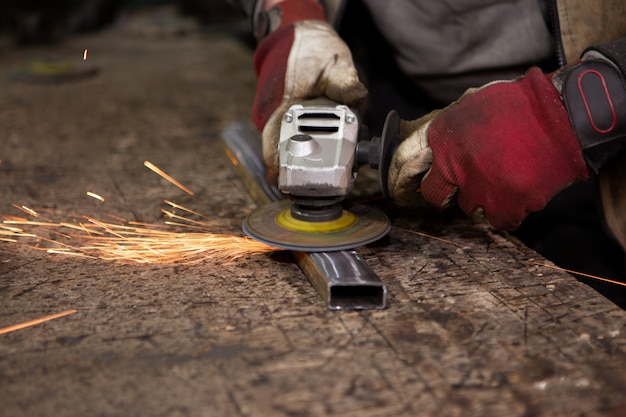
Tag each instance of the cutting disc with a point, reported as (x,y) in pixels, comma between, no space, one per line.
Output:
(274,225)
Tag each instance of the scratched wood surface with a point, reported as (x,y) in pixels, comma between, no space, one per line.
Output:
(475,328)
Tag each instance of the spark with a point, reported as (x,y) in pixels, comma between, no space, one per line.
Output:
(30,323)
(27,210)
(171,203)
(428,236)
(233,159)
(179,240)
(94,195)
(157,170)
(85,52)
(623,284)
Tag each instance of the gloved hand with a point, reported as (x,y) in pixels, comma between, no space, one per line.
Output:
(507,147)
(302,59)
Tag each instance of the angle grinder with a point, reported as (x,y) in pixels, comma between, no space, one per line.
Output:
(321,147)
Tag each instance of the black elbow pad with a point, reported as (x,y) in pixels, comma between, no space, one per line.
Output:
(594,94)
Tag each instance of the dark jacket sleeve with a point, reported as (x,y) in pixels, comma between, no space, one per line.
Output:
(245,6)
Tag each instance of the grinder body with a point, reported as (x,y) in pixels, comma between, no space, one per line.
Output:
(317,150)
(320,148)
(317,158)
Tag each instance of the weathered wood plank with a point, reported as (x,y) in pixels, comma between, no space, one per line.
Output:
(474,328)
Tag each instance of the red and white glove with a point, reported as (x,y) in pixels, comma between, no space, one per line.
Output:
(507,147)
(302,59)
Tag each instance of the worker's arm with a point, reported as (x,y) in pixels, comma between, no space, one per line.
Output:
(509,147)
(299,57)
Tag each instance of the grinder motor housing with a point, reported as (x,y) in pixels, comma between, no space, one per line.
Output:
(320,148)
(317,150)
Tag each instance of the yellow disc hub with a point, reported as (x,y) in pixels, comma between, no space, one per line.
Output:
(285,220)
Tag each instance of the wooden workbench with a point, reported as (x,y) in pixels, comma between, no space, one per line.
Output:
(474,328)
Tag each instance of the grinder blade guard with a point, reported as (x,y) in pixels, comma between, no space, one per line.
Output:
(321,146)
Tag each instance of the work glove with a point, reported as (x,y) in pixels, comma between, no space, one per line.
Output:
(506,148)
(302,59)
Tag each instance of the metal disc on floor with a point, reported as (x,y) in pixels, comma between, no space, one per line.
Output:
(53,70)
(274,225)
